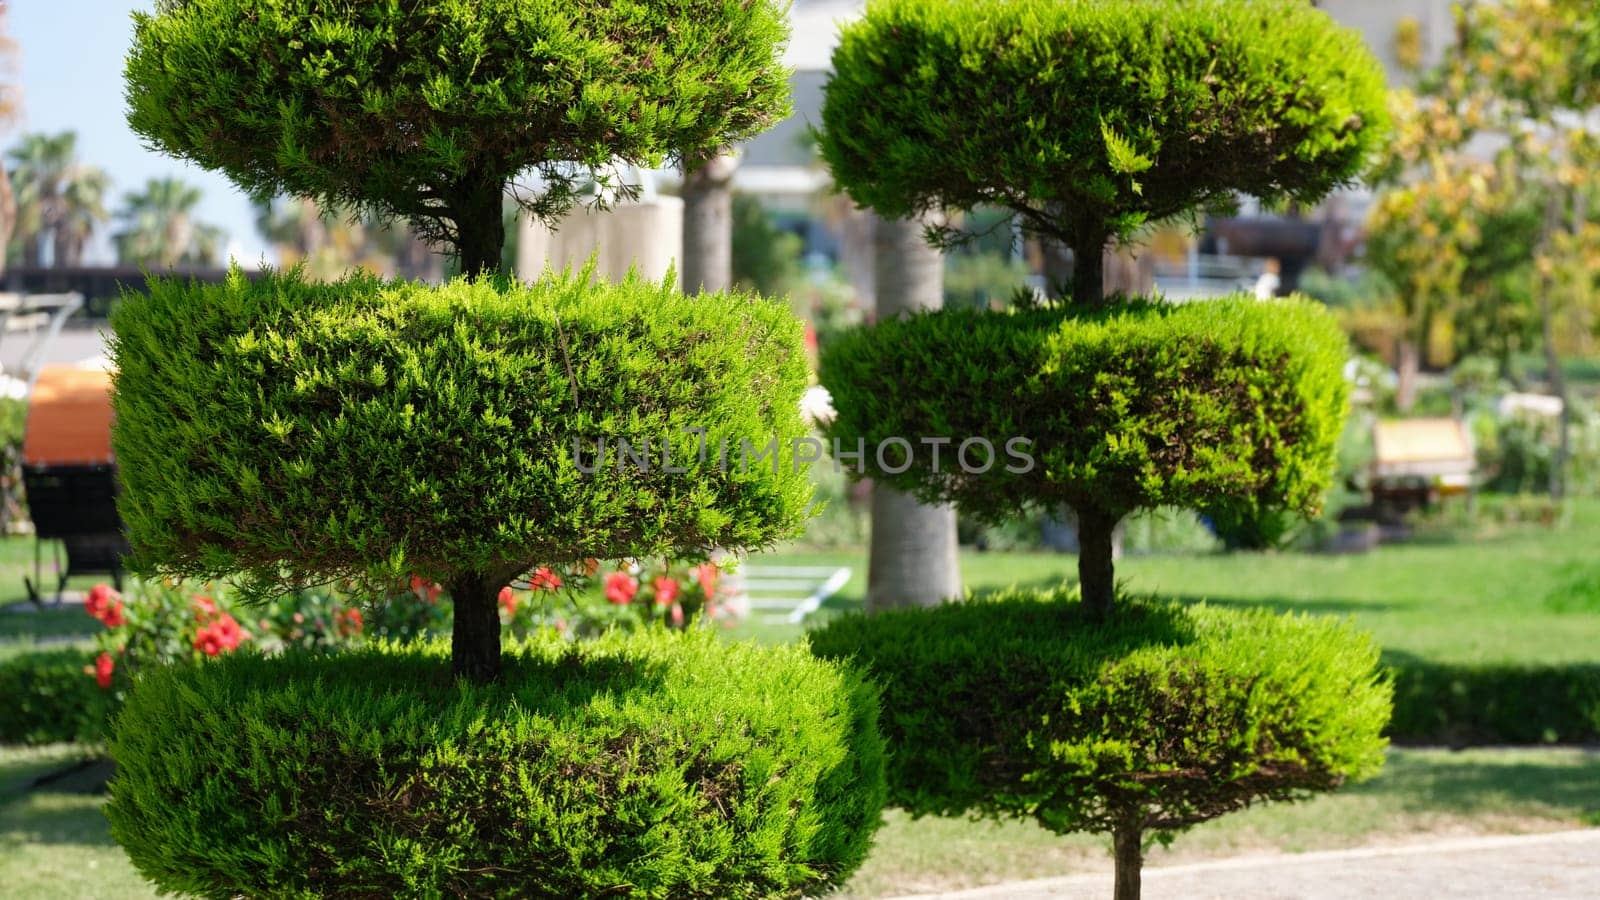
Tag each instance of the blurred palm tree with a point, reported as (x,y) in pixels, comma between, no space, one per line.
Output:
(59,200)
(10,109)
(157,227)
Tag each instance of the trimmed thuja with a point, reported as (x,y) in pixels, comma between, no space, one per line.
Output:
(368,429)
(1024,706)
(1087,121)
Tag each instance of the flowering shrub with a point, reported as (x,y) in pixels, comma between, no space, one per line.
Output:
(583,603)
(161,622)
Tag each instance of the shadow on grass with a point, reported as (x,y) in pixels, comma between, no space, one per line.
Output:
(1486,782)
(60,819)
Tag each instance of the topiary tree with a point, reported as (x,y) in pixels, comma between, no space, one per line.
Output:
(1088,120)
(426,110)
(1022,706)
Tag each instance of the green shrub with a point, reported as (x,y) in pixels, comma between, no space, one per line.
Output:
(1134,407)
(1496,703)
(1024,706)
(653,765)
(304,433)
(49,698)
(424,110)
(1089,119)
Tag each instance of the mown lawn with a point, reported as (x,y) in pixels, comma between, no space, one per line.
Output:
(1531,596)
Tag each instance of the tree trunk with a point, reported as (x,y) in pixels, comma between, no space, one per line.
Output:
(912,559)
(708,225)
(1127,842)
(1408,364)
(1097,579)
(475,636)
(480,227)
(8,216)
(1089,271)
(1058,268)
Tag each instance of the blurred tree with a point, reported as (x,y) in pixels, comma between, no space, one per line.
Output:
(59,200)
(1527,71)
(332,243)
(158,228)
(766,259)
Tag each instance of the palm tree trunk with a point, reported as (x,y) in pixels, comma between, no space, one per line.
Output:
(708,225)
(912,559)
(8,216)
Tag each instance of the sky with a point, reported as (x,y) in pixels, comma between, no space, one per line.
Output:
(70,69)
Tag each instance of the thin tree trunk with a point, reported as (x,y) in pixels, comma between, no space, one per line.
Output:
(481,228)
(1089,271)
(1097,577)
(475,635)
(708,225)
(1552,360)
(912,559)
(1127,843)
(1408,364)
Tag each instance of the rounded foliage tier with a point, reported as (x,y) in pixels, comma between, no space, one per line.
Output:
(302,432)
(1089,117)
(422,108)
(652,765)
(1145,404)
(1160,717)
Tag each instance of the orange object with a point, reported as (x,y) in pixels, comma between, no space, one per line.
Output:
(69,418)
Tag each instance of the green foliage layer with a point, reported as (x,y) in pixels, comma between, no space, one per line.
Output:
(1023,705)
(426,108)
(1091,118)
(310,431)
(647,766)
(49,698)
(1146,405)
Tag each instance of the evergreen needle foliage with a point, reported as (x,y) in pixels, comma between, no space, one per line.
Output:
(1019,705)
(306,432)
(1089,119)
(425,109)
(1137,406)
(653,765)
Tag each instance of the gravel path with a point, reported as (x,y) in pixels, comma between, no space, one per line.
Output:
(1559,866)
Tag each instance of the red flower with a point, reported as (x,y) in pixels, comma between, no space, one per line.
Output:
(204,607)
(99,601)
(707,574)
(350,622)
(101,670)
(508,601)
(223,634)
(666,591)
(589,566)
(544,580)
(113,616)
(620,588)
(425,590)
(677,616)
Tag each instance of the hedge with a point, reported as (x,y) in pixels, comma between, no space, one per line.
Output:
(47,698)
(652,765)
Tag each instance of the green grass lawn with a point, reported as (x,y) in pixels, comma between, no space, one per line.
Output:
(1530,596)
(54,843)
